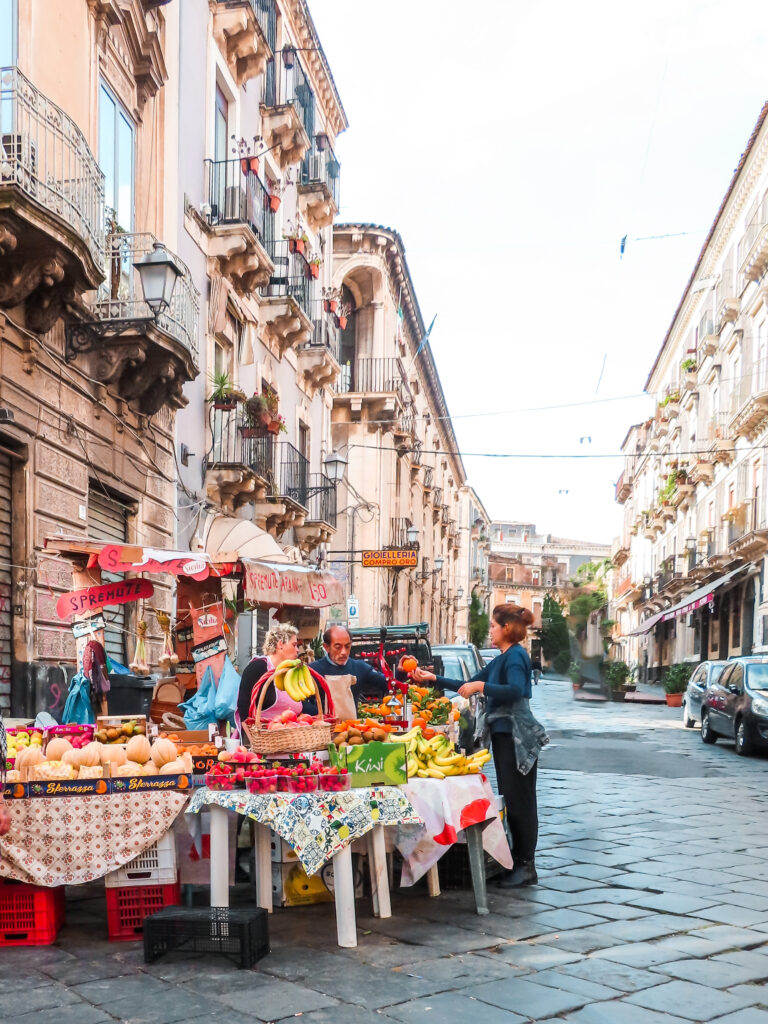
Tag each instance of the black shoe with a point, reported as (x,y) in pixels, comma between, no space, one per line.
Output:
(524,873)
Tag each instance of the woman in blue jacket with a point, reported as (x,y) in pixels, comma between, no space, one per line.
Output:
(516,736)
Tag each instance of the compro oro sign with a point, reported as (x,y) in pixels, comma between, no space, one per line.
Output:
(391,558)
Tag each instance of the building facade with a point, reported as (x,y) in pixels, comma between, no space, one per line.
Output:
(472,576)
(689,563)
(91,376)
(391,422)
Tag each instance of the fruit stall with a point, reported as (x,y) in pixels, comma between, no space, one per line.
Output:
(98,798)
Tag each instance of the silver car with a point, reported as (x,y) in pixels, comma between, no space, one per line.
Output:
(707,672)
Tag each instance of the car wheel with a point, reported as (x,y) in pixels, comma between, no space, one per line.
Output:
(688,721)
(707,735)
(742,741)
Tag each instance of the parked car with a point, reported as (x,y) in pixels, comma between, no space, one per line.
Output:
(468,653)
(455,668)
(489,653)
(707,672)
(735,705)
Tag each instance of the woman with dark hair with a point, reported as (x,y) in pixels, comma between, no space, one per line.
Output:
(516,736)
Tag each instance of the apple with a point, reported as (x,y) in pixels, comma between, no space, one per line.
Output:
(288,716)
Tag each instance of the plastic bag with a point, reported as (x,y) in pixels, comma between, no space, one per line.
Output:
(78,707)
(199,710)
(227,691)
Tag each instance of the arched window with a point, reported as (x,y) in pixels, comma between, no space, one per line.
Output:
(347,344)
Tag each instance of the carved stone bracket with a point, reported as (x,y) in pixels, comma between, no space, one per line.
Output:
(241,256)
(317,366)
(285,324)
(284,133)
(233,486)
(316,205)
(311,534)
(278,516)
(240,40)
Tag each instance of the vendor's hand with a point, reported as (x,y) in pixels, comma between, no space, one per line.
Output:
(469,688)
(420,675)
(5,817)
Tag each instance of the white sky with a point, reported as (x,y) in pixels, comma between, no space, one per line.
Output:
(513,145)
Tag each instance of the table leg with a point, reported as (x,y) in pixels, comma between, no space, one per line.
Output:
(263,866)
(219,856)
(474,836)
(372,874)
(344,894)
(380,871)
(433,881)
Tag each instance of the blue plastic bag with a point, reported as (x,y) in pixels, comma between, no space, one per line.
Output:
(199,710)
(227,691)
(78,706)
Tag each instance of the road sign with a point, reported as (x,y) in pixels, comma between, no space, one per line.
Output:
(353,610)
(391,558)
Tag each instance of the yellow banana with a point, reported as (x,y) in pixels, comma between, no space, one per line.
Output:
(441,762)
(309,683)
(292,685)
(435,773)
(422,773)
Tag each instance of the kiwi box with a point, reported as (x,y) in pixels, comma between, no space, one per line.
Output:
(372,764)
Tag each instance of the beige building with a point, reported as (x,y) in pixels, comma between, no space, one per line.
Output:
(91,377)
(691,556)
(391,422)
(472,573)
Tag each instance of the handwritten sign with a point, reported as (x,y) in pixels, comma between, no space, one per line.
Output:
(87,627)
(113,558)
(390,558)
(300,588)
(120,592)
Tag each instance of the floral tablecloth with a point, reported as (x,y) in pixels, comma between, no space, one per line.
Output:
(447,807)
(317,825)
(72,839)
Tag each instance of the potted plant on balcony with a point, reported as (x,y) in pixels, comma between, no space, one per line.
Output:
(298,240)
(257,416)
(224,395)
(249,162)
(342,316)
(277,425)
(313,267)
(331,299)
(675,683)
(274,192)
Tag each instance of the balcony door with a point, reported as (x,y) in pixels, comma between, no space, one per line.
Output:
(116,158)
(8,33)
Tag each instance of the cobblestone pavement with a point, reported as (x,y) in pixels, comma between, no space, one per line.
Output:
(652,908)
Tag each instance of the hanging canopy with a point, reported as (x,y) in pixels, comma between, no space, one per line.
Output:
(229,535)
(704,595)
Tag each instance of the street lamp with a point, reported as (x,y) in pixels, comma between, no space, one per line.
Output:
(335,466)
(158,272)
(412,536)
(460,592)
(439,563)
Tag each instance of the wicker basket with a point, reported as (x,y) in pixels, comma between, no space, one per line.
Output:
(289,741)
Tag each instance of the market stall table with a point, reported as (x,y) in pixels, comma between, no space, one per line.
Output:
(319,827)
(69,840)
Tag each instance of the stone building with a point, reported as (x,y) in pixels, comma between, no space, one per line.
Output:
(472,574)
(690,561)
(91,376)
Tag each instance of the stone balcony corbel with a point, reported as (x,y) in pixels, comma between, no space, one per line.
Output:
(318,366)
(316,205)
(240,40)
(277,516)
(285,323)
(311,534)
(241,256)
(233,486)
(284,134)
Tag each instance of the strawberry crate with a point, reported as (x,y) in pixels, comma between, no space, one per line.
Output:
(130,904)
(155,866)
(30,915)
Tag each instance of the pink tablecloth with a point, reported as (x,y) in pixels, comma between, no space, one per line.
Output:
(448,806)
(72,839)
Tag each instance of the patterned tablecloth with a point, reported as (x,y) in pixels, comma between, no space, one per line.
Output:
(67,840)
(447,807)
(317,825)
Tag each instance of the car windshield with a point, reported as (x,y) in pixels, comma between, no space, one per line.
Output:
(452,667)
(466,654)
(757,675)
(715,672)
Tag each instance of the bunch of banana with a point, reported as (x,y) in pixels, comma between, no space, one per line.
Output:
(294,677)
(436,758)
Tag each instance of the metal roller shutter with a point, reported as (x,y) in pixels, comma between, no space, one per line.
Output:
(5,582)
(107,521)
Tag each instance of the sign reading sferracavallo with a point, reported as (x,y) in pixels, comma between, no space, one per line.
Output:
(392,558)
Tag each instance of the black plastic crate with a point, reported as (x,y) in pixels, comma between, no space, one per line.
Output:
(241,935)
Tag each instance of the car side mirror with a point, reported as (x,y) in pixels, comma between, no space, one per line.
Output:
(733,688)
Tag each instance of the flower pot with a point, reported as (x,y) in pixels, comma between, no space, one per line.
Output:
(314,270)
(274,427)
(274,203)
(342,322)
(331,305)
(225,406)
(296,245)
(251,432)
(674,700)
(253,163)
(244,164)
(618,694)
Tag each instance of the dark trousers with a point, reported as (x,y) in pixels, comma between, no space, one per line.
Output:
(519,792)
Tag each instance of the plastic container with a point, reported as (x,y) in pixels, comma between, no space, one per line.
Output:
(221,783)
(129,694)
(128,905)
(330,783)
(298,783)
(30,915)
(241,935)
(155,866)
(262,784)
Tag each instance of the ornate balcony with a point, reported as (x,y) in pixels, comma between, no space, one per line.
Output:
(752,256)
(404,430)
(287,114)
(319,186)
(240,466)
(245,32)
(320,523)
(719,438)
(709,336)
(749,403)
(623,487)
(286,505)
(727,302)
(242,224)
(748,533)
(380,384)
(319,359)
(51,205)
(702,471)
(146,358)
(287,300)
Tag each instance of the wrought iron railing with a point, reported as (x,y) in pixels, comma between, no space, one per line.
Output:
(750,521)
(320,166)
(399,531)
(292,473)
(429,477)
(374,374)
(291,276)
(120,296)
(325,333)
(416,453)
(44,154)
(437,497)
(321,501)
(289,86)
(235,441)
(753,381)
(726,286)
(236,196)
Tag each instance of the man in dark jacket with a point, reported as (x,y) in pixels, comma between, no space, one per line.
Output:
(337,662)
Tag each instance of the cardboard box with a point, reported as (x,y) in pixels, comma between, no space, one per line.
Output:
(68,787)
(281,852)
(292,887)
(373,764)
(139,783)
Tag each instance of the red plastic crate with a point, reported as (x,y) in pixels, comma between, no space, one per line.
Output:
(128,905)
(30,915)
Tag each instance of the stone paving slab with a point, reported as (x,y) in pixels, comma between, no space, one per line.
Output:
(691,1001)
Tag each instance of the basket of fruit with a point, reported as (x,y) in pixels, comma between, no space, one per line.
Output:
(291,733)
